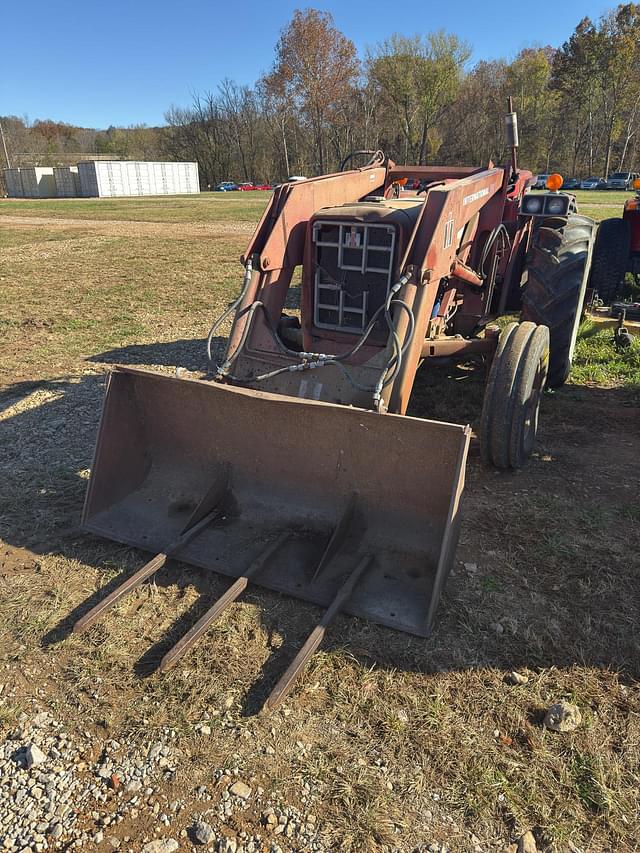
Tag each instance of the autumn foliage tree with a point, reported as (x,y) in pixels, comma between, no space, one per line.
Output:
(315,69)
(594,71)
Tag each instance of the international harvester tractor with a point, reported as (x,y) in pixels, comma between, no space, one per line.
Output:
(294,465)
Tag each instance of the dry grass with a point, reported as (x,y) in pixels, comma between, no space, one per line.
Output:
(602,196)
(396,736)
(207,207)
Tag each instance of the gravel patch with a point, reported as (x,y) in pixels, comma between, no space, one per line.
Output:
(52,798)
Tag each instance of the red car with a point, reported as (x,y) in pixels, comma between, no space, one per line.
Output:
(249,185)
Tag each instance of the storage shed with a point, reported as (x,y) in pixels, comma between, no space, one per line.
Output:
(67,181)
(13,183)
(113,178)
(38,182)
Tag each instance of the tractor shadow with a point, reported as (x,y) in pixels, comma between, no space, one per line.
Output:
(549,553)
(449,390)
(189,354)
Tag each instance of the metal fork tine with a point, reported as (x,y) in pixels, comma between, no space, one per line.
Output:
(142,574)
(284,685)
(216,610)
(207,510)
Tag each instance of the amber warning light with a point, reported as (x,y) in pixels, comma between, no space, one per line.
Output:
(554,182)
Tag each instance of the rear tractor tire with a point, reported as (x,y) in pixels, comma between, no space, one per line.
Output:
(610,259)
(509,421)
(557,268)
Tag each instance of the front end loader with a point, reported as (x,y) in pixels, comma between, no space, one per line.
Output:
(295,465)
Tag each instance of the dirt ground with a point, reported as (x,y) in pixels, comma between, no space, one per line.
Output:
(394,743)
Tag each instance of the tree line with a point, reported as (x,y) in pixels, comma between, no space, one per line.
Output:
(49,143)
(415,97)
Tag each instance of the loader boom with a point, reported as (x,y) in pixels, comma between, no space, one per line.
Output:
(447,223)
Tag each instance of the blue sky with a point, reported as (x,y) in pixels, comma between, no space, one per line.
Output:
(122,62)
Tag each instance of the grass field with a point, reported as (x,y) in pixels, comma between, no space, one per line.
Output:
(602,197)
(393,743)
(207,207)
(215,207)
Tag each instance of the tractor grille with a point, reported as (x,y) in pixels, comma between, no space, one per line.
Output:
(353,272)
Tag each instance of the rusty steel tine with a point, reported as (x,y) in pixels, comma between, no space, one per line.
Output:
(142,574)
(284,685)
(216,610)
(338,536)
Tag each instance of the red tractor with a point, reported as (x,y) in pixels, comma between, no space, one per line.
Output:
(617,251)
(297,467)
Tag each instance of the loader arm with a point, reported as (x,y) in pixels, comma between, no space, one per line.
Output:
(279,236)
(432,252)
(429,258)
(277,246)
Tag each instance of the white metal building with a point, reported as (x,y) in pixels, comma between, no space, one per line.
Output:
(13,183)
(37,182)
(102,178)
(67,181)
(113,178)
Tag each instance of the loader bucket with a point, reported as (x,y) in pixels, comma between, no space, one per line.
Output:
(305,490)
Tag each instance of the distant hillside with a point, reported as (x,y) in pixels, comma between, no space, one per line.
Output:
(50,143)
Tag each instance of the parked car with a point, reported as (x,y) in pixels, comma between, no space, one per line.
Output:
(226,187)
(621,180)
(593,184)
(247,186)
(571,184)
(540,182)
(292,179)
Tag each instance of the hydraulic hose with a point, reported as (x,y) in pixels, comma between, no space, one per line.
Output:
(222,370)
(248,270)
(395,362)
(499,230)
(314,360)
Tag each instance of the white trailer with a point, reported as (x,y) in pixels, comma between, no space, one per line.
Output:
(67,181)
(114,178)
(13,183)
(38,181)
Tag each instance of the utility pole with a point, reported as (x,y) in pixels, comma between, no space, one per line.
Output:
(4,147)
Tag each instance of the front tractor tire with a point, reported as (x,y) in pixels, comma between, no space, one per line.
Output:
(509,421)
(557,267)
